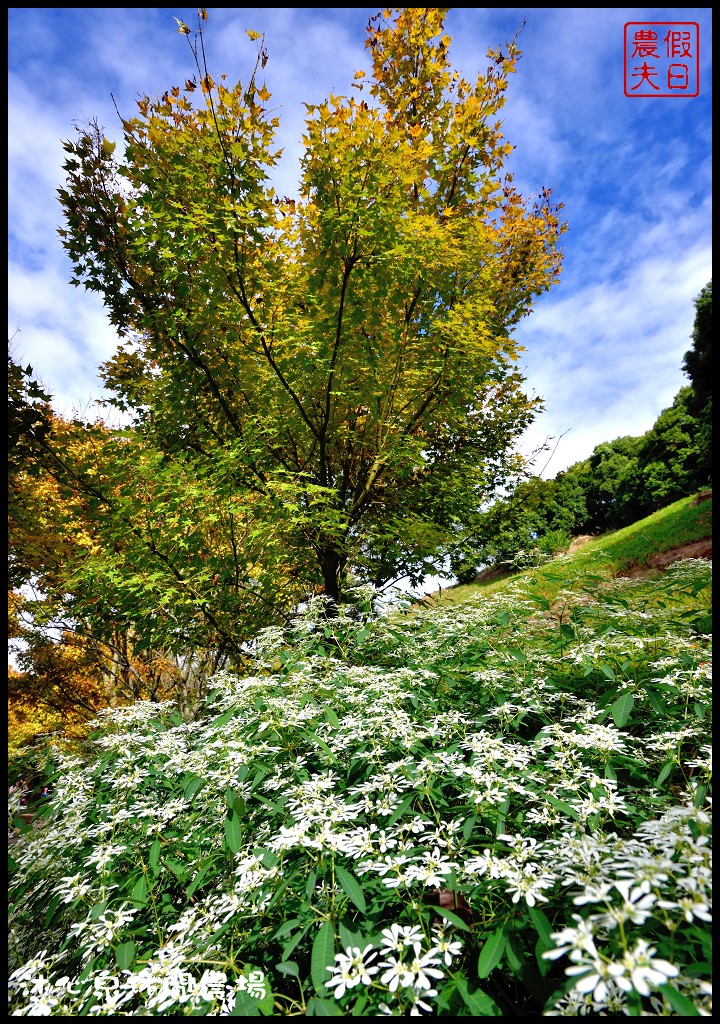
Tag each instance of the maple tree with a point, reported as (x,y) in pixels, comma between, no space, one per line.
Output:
(116,554)
(337,369)
(90,621)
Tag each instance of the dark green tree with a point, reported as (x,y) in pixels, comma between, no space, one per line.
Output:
(697,365)
(672,456)
(612,485)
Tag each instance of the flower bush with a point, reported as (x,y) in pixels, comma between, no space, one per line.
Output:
(498,809)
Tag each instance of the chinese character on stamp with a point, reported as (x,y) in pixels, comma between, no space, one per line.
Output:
(662,58)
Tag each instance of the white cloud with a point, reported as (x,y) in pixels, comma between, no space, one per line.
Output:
(62,332)
(608,358)
(604,348)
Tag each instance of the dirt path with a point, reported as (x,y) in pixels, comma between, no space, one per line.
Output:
(698,549)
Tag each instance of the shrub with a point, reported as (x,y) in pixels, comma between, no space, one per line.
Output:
(497,809)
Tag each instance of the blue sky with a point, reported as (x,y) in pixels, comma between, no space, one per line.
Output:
(604,348)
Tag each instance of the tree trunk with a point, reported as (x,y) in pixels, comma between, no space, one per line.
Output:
(330,566)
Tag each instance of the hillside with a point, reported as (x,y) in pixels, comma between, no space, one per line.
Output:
(500,806)
(678,531)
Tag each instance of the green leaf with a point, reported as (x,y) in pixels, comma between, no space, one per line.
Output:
(622,709)
(699,798)
(98,910)
(681,1004)
(468,828)
(351,887)
(124,955)
(323,1008)
(478,1002)
(398,812)
(491,953)
(656,701)
(209,871)
(139,895)
(502,810)
(233,831)
(265,1002)
(235,801)
(542,925)
(516,654)
(154,856)
(310,883)
(52,907)
(544,966)
(349,936)
(698,970)
(451,917)
(245,1006)
(322,957)
(562,806)
(664,772)
(176,867)
(224,718)
(194,786)
(288,967)
(513,954)
(293,942)
(633,1003)
(314,740)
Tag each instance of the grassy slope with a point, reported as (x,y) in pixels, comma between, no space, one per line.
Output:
(611,554)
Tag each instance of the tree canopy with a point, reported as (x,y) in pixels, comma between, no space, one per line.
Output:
(318,392)
(697,365)
(341,365)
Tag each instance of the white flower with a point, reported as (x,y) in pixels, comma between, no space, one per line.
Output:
(446,947)
(485,863)
(528,885)
(579,939)
(636,907)
(644,970)
(351,968)
(385,842)
(418,1005)
(397,974)
(691,906)
(72,887)
(595,892)
(102,855)
(394,863)
(596,977)
(110,923)
(397,937)
(417,972)
(433,869)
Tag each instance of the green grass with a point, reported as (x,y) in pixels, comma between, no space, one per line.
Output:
(612,554)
